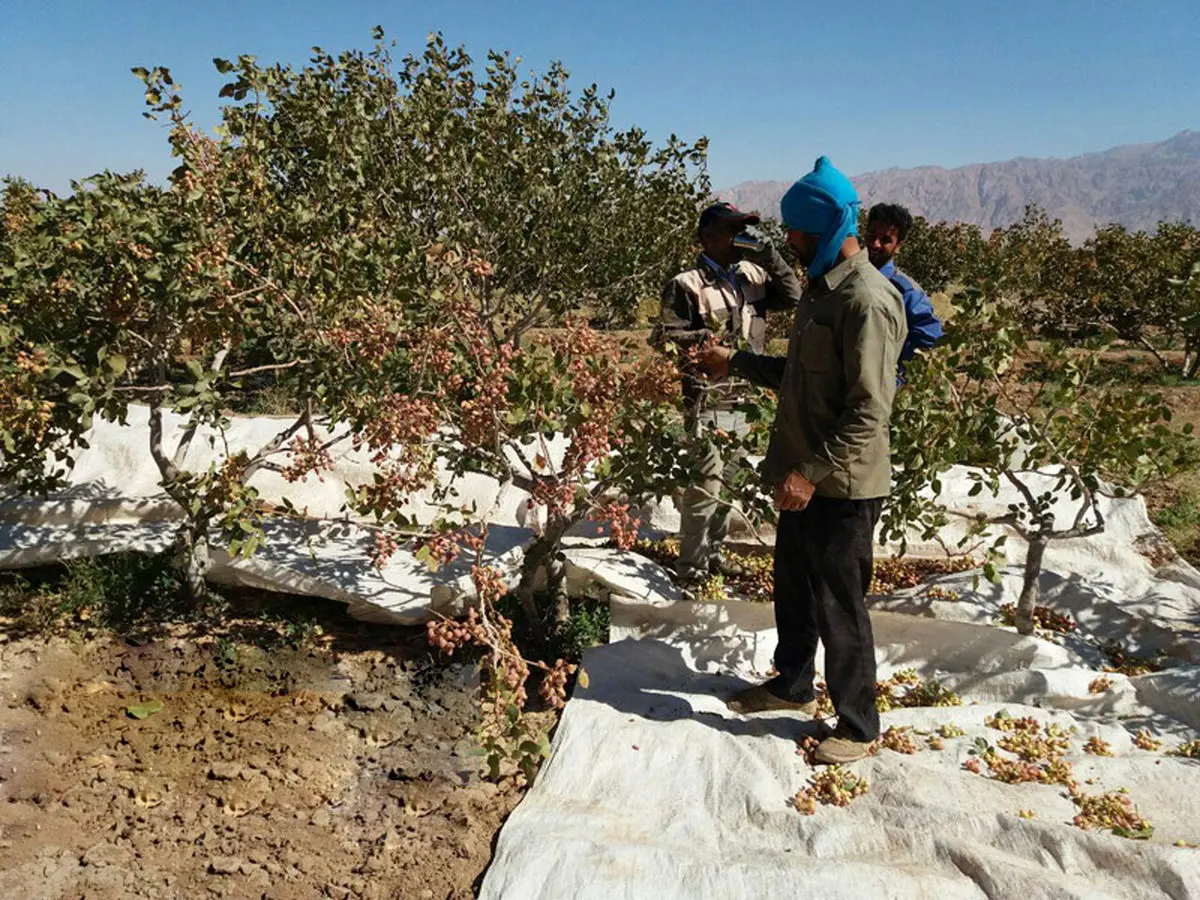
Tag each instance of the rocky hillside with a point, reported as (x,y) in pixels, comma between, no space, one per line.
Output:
(1137,186)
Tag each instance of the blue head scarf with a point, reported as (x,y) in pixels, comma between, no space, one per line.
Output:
(823,202)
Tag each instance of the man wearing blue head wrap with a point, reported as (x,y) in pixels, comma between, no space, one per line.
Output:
(828,460)
(824,204)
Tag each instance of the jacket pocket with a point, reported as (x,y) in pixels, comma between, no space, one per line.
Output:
(818,352)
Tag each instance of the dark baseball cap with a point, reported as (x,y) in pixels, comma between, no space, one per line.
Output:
(729,213)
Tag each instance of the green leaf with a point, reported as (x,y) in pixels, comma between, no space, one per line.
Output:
(424,555)
(145,710)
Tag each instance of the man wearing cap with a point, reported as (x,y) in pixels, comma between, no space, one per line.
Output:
(828,461)
(725,295)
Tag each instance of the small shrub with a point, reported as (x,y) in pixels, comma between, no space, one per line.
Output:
(587,626)
(119,592)
(1180,522)
(1100,685)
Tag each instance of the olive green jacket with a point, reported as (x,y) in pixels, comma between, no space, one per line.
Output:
(836,384)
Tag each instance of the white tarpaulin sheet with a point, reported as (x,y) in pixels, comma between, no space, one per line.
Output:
(655,790)
(113,503)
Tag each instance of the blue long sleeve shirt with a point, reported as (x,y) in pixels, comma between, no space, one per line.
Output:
(924,329)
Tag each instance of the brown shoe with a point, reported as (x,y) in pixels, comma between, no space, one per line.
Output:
(760,699)
(838,750)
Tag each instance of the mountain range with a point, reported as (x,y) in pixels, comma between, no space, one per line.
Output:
(1137,185)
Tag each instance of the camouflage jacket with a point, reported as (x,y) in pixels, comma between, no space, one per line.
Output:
(699,302)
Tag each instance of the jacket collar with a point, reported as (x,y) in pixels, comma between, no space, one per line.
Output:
(832,279)
(708,273)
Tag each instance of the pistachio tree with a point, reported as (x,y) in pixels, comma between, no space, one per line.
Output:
(941,255)
(387,244)
(1031,416)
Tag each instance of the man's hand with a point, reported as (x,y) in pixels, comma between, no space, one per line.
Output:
(713,361)
(794,493)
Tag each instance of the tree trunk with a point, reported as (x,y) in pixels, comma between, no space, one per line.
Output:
(556,583)
(543,556)
(1191,359)
(1030,590)
(192,559)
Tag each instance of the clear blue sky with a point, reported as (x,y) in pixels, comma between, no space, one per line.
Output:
(773,84)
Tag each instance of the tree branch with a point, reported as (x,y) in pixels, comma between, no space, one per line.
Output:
(273,445)
(185,442)
(275,367)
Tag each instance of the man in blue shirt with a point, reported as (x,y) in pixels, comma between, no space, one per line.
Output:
(888,225)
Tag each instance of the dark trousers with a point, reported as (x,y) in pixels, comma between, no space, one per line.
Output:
(823,561)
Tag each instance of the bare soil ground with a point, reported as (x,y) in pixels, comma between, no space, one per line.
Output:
(344,769)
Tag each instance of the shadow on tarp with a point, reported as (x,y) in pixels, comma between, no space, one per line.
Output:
(1144,624)
(94,489)
(25,546)
(643,678)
